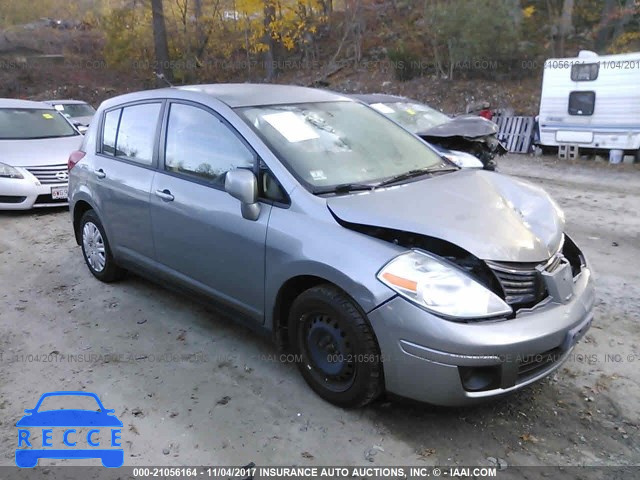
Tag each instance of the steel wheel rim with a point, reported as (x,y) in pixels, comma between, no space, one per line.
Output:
(327,351)
(93,245)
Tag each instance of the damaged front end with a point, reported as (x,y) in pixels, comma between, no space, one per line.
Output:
(475,135)
(485,148)
(520,285)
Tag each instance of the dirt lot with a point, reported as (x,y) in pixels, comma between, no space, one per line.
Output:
(192,388)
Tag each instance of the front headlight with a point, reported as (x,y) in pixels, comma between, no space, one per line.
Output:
(463,159)
(7,171)
(441,287)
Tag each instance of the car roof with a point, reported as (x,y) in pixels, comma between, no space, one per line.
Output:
(17,103)
(239,94)
(65,102)
(379,98)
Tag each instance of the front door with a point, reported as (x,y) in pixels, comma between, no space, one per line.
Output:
(199,233)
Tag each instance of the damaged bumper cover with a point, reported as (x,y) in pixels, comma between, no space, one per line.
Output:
(438,361)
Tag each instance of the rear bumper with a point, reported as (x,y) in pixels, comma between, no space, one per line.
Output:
(27,193)
(592,138)
(426,358)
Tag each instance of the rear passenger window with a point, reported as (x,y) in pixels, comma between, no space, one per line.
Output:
(200,145)
(110,131)
(582,103)
(137,131)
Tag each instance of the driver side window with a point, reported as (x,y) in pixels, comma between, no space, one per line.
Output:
(199,145)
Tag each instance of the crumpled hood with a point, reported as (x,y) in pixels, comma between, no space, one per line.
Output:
(468,127)
(46,151)
(493,216)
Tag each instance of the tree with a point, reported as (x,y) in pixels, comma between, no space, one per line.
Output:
(269,22)
(625,16)
(161,46)
(604,29)
(566,24)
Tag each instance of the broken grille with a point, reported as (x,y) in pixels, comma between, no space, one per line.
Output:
(522,284)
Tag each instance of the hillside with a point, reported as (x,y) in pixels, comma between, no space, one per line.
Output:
(106,48)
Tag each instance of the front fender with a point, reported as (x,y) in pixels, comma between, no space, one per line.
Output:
(324,249)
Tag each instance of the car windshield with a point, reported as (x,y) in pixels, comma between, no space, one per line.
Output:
(327,145)
(29,124)
(73,110)
(415,117)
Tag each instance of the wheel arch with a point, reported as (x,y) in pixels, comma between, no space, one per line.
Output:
(294,286)
(79,209)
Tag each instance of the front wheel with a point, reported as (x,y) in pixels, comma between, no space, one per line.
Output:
(337,352)
(96,250)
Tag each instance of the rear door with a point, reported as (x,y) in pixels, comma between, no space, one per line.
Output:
(200,236)
(122,176)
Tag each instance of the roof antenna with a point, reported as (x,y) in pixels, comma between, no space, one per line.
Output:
(163,78)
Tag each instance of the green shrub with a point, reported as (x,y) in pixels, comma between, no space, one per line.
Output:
(472,36)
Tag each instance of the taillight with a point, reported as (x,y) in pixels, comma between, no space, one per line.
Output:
(74,158)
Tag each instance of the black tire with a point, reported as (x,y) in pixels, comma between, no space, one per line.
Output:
(336,349)
(110,271)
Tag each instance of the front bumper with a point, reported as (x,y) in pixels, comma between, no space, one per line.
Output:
(27,193)
(426,358)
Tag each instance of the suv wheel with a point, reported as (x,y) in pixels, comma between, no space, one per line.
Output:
(95,249)
(336,349)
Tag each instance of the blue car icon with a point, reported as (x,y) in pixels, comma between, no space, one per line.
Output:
(69,420)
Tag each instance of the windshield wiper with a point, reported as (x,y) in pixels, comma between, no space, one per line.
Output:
(347,188)
(356,187)
(405,176)
(416,173)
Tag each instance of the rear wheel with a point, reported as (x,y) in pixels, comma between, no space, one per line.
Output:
(96,250)
(338,355)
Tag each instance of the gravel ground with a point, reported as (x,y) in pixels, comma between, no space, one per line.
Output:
(193,388)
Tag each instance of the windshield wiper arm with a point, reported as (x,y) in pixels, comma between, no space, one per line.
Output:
(405,176)
(347,187)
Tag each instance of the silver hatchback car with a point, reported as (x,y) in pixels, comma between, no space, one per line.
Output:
(379,264)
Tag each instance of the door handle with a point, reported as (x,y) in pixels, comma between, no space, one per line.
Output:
(165,195)
(100,173)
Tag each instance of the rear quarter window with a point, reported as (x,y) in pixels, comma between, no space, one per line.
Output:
(110,131)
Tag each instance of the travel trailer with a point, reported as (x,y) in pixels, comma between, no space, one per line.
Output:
(591,101)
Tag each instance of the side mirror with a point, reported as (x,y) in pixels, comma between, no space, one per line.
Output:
(80,127)
(243,185)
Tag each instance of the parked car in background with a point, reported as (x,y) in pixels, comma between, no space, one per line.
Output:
(35,142)
(374,260)
(455,137)
(78,112)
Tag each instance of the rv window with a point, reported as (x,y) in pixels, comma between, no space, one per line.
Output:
(582,103)
(584,72)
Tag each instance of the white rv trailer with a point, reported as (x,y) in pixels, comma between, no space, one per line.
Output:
(592,101)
